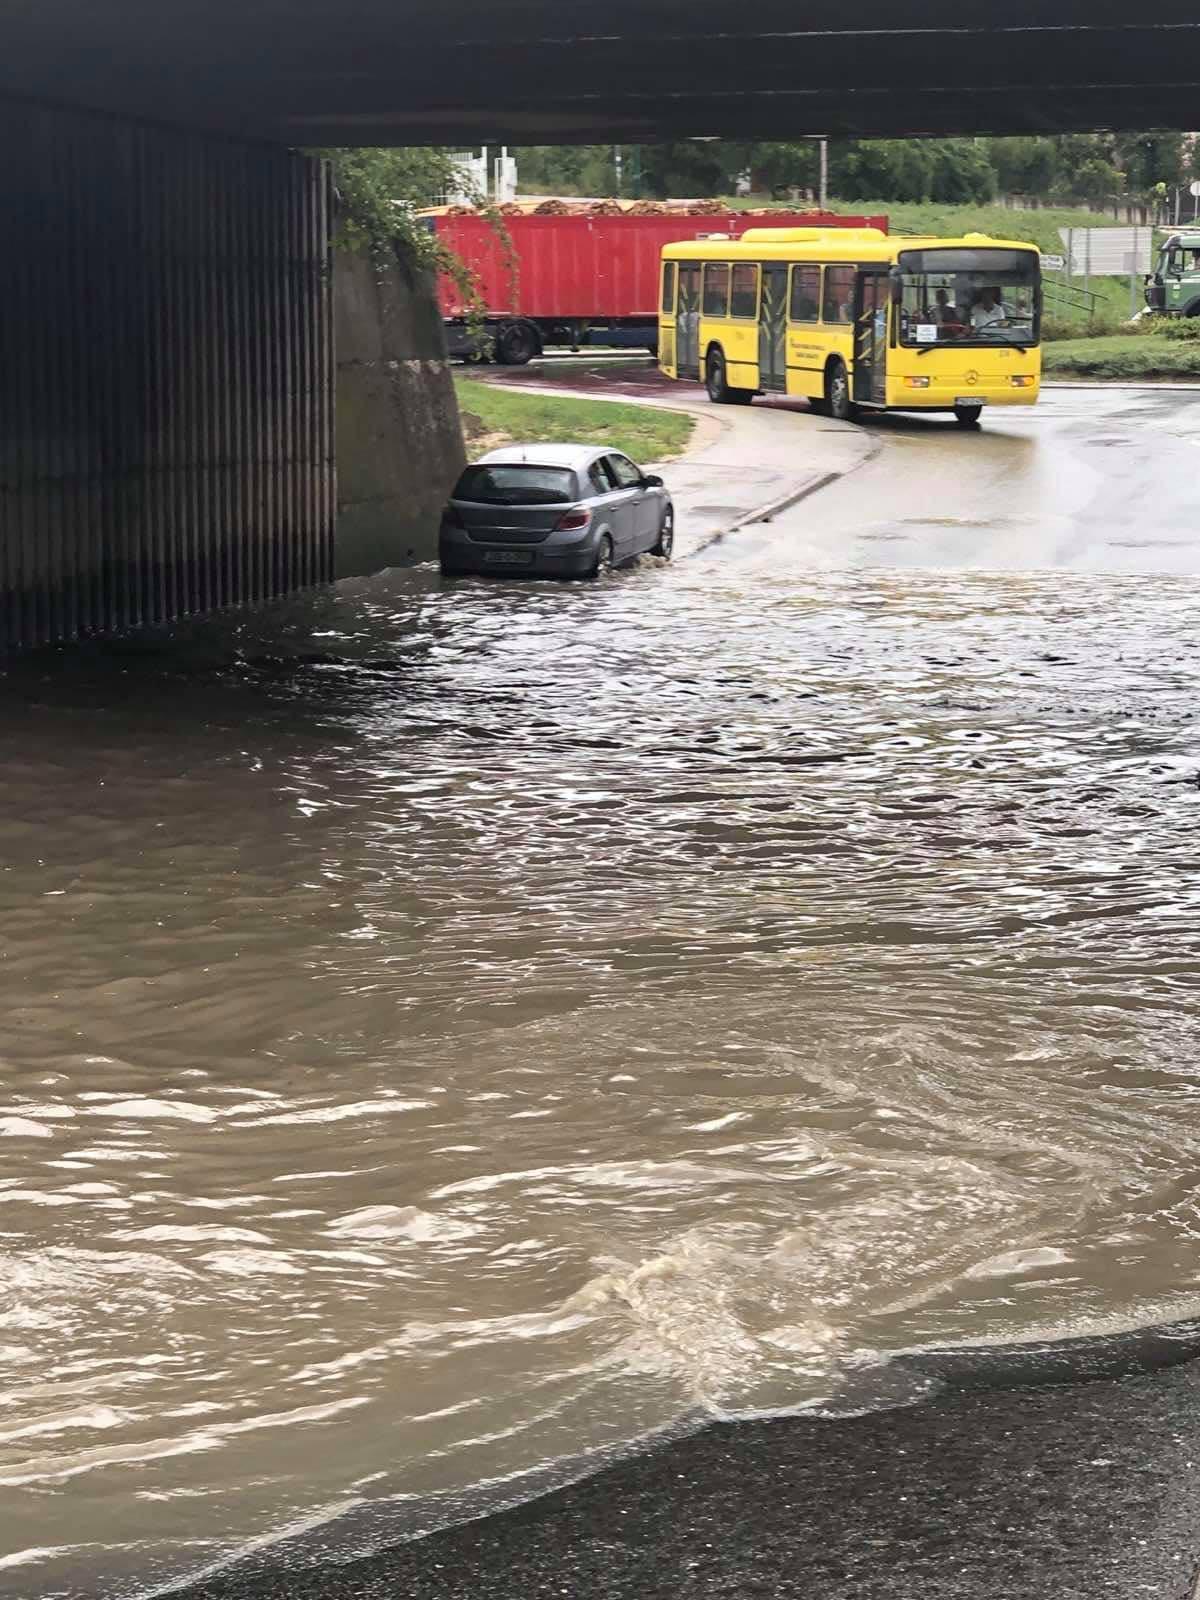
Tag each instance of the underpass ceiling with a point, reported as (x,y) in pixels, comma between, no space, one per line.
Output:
(325,72)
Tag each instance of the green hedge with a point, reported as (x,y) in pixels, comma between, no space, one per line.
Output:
(1156,355)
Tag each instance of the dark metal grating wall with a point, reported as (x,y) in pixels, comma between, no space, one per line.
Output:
(166,374)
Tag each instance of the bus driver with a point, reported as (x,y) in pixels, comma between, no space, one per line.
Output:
(989,309)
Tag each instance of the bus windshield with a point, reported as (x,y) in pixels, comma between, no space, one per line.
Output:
(964,296)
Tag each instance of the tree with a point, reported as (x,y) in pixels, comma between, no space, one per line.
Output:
(567,169)
(378,192)
(881,169)
(1148,159)
(962,171)
(1025,165)
(774,168)
(687,170)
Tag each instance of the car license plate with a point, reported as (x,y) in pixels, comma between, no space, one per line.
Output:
(969,400)
(509,558)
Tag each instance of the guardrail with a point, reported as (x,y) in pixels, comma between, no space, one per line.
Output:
(1068,297)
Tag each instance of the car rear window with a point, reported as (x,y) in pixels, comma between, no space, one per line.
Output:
(516,485)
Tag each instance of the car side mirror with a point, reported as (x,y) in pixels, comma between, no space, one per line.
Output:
(652,481)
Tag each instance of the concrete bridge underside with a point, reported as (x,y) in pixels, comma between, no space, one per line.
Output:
(312,72)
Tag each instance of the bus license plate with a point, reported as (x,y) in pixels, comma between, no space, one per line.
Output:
(969,400)
(509,558)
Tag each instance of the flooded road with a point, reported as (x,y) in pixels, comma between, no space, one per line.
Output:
(453,1030)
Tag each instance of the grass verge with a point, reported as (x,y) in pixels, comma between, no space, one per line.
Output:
(493,416)
(1149,357)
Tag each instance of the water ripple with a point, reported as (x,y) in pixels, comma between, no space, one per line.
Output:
(447,1033)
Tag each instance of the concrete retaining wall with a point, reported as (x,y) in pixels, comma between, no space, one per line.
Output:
(399,443)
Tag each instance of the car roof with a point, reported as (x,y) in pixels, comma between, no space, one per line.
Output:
(576,456)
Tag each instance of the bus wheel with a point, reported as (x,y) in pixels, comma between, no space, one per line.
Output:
(718,388)
(967,416)
(837,392)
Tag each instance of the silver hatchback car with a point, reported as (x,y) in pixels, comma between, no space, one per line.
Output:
(553,510)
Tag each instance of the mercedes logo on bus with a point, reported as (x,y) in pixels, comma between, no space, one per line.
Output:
(972,377)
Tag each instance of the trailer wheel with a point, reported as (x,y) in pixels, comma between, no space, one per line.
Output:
(517,344)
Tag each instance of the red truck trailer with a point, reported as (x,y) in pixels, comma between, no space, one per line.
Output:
(580,279)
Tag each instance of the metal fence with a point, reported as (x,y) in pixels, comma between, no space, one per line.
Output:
(166,374)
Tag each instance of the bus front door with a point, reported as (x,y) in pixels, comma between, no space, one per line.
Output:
(687,322)
(871,300)
(772,328)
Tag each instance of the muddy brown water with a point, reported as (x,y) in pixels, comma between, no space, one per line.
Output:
(451,1032)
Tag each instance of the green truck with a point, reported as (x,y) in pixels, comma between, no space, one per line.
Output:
(1173,288)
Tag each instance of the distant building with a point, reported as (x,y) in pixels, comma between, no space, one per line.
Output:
(483,176)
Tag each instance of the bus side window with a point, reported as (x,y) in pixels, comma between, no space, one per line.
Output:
(668,288)
(838,303)
(716,289)
(745,290)
(806,294)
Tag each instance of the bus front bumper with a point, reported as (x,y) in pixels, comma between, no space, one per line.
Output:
(950,396)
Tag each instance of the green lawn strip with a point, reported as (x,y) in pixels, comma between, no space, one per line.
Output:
(515,416)
(1151,356)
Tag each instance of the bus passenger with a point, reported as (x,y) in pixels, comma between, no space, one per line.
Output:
(805,308)
(944,311)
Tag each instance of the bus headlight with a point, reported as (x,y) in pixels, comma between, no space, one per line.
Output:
(916,383)
(1022,380)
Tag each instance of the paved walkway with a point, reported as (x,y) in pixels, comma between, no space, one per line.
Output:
(1056,1492)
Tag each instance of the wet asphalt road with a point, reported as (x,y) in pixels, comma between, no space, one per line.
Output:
(1089,480)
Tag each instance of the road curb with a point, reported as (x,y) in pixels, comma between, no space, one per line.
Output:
(820,480)
(1151,386)
(813,485)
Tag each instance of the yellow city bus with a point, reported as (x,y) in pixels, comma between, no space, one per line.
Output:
(854,319)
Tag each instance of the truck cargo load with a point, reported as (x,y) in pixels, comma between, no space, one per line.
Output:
(583,278)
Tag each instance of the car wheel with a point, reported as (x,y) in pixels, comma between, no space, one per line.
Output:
(604,558)
(967,416)
(666,535)
(517,345)
(837,392)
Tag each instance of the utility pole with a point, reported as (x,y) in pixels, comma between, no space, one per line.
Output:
(823,144)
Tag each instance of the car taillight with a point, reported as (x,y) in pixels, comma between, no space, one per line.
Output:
(572,521)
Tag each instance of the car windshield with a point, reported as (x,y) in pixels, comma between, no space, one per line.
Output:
(968,297)
(516,485)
